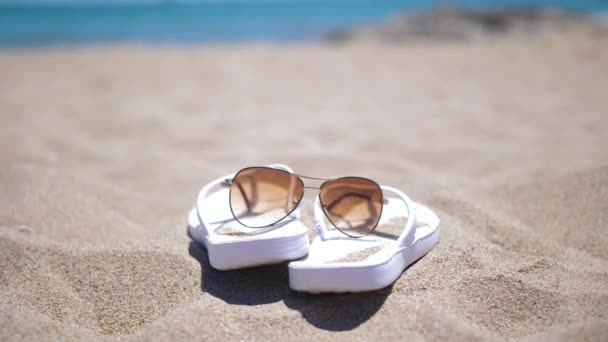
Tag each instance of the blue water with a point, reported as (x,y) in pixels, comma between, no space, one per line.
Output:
(176,23)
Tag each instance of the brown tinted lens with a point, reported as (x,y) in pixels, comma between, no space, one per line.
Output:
(352,204)
(261,196)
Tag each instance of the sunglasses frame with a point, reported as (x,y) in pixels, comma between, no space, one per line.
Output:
(230,183)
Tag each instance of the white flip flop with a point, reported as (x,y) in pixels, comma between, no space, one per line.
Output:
(338,263)
(231,245)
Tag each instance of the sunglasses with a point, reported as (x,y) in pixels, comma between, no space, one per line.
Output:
(263,196)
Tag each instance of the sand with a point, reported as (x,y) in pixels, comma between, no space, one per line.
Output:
(103,150)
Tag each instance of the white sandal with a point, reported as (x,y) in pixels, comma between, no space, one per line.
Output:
(231,245)
(337,263)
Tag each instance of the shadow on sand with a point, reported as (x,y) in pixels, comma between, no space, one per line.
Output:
(270,284)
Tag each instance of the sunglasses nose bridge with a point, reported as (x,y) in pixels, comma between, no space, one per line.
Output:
(317,182)
(313,183)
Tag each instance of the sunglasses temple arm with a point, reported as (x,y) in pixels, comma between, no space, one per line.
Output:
(206,191)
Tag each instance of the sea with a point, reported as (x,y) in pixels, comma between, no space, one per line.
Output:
(35,23)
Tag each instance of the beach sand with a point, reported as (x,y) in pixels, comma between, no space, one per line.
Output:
(103,151)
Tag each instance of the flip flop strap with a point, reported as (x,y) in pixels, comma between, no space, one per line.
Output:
(407,235)
(216,186)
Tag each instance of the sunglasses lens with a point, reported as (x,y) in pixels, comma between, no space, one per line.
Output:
(353,205)
(262,196)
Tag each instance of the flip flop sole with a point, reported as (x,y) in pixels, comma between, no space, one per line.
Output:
(360,276)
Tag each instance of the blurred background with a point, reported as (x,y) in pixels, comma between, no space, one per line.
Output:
(76,22)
